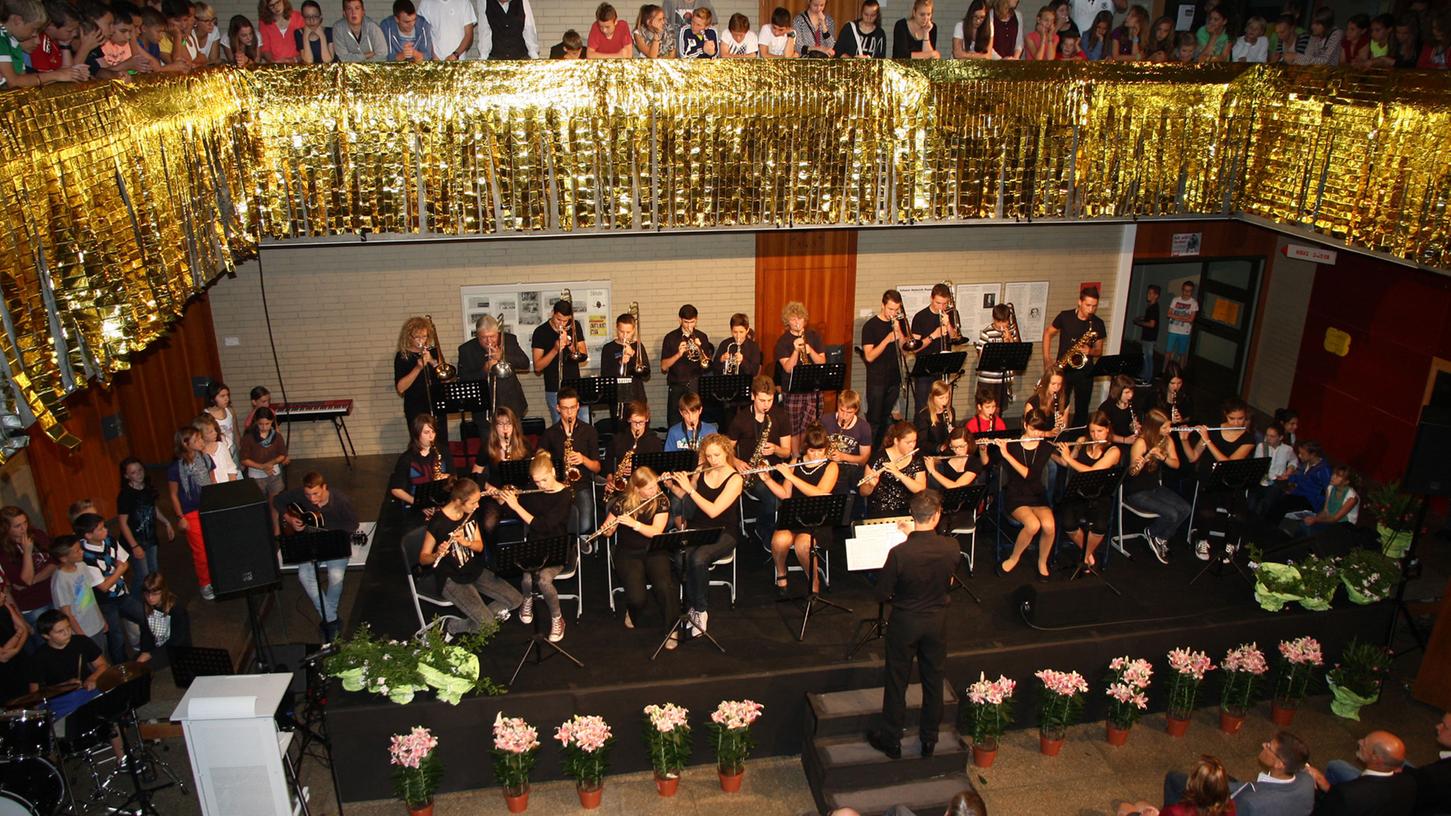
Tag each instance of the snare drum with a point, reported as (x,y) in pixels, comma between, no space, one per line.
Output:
(30,786)
(26,732)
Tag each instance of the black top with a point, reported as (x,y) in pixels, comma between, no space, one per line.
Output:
(447,567)
(932,433)
(510,391)
(1371,796)
(586,441)
(903,43)
(745,431)
(885,370)
(890,496)
(315,46)
(729,519)
(637,369)
(179,635)
(1433,787)
(1019,491)
(1150,477)
(684,370)
(628,537)
(416,396)
(918,574)
(786,346)
(847,440)
(1121,419)
(338,514)
(1151,313)
(1070,328)
(546,338)
(926,321)
(1058,404)
(1180,401)
(750,357)
(139,508)
(852,42)
(974,464)
(622,442)
(1245,440)
(414,469)
(50,666)
(551,512)
(492,473)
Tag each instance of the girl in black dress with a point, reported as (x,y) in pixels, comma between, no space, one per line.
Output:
(643,512)
(1123,415)
(1222,510)
(1092,513)
(936,419)
(1024,497)
(964,465)
(808,480)
(715,491)
(895,473)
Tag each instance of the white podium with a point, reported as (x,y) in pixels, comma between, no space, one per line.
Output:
(237,753)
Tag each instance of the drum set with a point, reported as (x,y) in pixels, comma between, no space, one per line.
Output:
(97,731)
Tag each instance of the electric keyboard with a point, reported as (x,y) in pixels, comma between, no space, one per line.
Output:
(330,410)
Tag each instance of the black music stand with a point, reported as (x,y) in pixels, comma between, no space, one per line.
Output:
(815,378)
(461,397)
(868,629)
(431,494)
(1011,357)
(314,545)
(944,364)
(533,555)
(1112,365)
(676,461)
(725,388)
(593,390)
(1093,484)
(515,473)
(676,543)
(954,501)
(809,513)
(1232,475)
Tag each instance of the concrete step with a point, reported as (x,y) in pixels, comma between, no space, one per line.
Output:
(854,711)
(848,761)
(924,796)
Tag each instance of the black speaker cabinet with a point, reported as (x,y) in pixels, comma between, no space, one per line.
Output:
(1429,471)
(237,529)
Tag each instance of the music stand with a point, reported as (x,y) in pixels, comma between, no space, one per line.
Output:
(1111,365)
(870,629)
(461,396)
(1010,357)
(515,473)
(592,390)
(943,364)
(675,543)
(532,556)
(1232,475)
(1093,485)
(676,461)
(434,493)
(815,378)
(809,513)
(316,545)
(725,388)
(954,500)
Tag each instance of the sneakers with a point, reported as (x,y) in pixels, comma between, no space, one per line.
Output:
(1229,551)
(556,630)
(1201,550)
(696,625)
(1159,547)
(526,610)
(501,617)
(701,619)
(208,594)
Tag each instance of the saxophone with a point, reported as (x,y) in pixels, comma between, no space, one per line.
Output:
(617,481)
(758,456)
(1077,355)
(572,474)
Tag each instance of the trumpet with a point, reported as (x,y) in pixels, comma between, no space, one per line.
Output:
(898,462)
(696,351)
(729,364)
(442,370)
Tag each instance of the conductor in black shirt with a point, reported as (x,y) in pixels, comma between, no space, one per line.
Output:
(915,579)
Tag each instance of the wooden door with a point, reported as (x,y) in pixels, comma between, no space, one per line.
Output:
(841,11)
(816,267)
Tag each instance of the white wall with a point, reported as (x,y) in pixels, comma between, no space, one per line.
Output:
(1286,303)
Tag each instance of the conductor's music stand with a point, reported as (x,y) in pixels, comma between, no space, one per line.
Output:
(461,397)
(725,388)
(675,544)
(677,461)
(1233,475)
(809,513)
(954,501)
(1093,485)
(532,556)
(515,473)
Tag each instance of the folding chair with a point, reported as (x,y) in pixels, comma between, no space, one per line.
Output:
(412,545)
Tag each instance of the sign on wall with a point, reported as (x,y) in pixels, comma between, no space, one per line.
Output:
(1030,301)
(522,307)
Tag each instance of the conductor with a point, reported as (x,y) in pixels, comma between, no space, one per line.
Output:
(915,579)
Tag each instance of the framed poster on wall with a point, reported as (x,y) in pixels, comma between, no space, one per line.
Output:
(522,307)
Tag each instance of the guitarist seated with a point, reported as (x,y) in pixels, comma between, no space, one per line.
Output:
(315,506)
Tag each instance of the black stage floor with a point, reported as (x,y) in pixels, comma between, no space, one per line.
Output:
(763,660)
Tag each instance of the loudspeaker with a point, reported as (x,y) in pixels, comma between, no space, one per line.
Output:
(237,529)
(1429,471)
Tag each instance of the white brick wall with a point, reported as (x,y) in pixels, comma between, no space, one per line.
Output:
(336,310)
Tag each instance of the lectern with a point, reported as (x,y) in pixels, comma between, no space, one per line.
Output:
(237,753)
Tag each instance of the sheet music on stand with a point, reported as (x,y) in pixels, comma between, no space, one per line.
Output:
(679,461)
(725,387)
(870,542)
(462,396)
(593,390)
(1012,357)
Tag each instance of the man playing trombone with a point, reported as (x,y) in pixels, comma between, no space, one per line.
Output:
(496,356)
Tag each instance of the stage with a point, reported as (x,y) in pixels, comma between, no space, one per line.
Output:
(1159,610)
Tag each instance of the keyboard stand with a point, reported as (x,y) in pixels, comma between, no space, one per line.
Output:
(341,427)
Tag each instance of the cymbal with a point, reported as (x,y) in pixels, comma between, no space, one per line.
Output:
(27,700)
(122,673)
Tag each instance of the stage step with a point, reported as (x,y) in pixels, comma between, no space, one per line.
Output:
(924,796)
(849,761)
(837,713)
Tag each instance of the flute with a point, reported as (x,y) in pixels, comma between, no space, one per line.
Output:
(1085,442)
(907,457)
(792,466)
(1188,428)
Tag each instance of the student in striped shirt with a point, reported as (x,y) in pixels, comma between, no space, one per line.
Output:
(999,331)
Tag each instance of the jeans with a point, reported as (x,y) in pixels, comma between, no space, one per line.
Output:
(141,567)
(469,598)
(1080,382)
(546,588)
(766,506)
(1172,510)
(1146,371)
(584,508)
(637,568)
(697,568)
(113,610)
(327,605)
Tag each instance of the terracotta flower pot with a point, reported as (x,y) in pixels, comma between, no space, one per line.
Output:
(1050,744)
(517,800)
(730,782)
(1176,726)
(421,810)
(984,754)
(1283,713)
(1230,722)
(667,785)
(589,797)
(1116,735)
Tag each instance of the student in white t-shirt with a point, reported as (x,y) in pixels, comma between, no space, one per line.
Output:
(777,39)
(1182,312)
(1282,465)
(1253,46)
(739,40)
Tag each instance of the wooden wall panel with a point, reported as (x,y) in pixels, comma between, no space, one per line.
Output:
(841,11)
(152,399)
(816,267)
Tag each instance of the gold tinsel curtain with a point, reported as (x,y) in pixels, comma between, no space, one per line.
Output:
(122,199)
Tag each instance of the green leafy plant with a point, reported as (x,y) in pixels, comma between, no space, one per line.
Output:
(1368,576)
(1060,699)
(989,709)
(1319,578)
(586,741)
(1362,668)
(730,726)
(398,669)
(516,743)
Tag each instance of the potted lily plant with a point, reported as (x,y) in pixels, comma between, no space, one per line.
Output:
(667,734)
(1244,666)
(1127,686)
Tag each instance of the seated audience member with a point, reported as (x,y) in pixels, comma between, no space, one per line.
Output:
(1434,53)
(570,46)
(168,626)
(207,34)
(1161,37)
(57,43)
(1042,42)
(966,803)
(119,54)
(1382,788)
(1253,46)
(1323,47)
(1206,793)
(356,38)
(1131,41)
(698,40)
(1342,503)
(1380,49)
(1433,781)
(1355,45)
(1282,465)
(1212,42)
(739,40)
(1185,47)
(1288,46)
(608,39)
(409,37)
(23,20)
(915,36)
(1283,788)
(1289,419)
(652,40)
(1407,43)
(864,36)
(777,39)
(815,31)
(1095,43)
(1305,488)
(153,27)
(181,30)
(1069,47)
(314,40)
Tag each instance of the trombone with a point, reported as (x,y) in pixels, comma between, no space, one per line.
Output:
(442,370)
